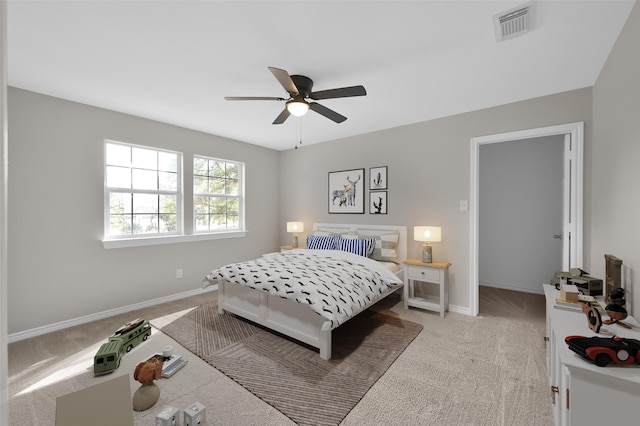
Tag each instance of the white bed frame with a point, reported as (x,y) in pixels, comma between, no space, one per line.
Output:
(288,317)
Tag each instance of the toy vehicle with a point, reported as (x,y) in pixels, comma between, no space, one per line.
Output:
(603,350)
(124,339)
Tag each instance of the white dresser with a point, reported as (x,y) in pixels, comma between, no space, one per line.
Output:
(581,392)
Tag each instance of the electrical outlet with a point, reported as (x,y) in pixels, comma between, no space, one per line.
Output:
(179,273)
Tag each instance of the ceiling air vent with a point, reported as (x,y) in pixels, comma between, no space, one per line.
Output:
(514,22)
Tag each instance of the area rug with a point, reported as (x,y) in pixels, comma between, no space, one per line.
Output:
(288,375)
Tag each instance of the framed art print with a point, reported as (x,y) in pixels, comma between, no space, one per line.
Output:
(378,178)
(346,191)
(378,202)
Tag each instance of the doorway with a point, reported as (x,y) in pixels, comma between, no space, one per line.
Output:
(571,233)
(520,213)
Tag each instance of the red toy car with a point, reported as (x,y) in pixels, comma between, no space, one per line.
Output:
(603,350)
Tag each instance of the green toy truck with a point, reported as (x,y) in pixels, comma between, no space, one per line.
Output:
(123,340)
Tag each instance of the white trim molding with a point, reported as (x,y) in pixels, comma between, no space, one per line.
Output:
(574,198)
(38,331)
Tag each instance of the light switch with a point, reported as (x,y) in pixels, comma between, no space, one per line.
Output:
(464,205)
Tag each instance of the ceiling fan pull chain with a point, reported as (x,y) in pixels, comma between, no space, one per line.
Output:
(299,131)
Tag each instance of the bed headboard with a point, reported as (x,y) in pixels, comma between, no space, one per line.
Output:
(369,230)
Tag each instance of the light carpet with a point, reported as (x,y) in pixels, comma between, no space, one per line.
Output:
(291,376)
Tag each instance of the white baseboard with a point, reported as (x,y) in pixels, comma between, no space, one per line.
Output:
(21,335)
(460,309)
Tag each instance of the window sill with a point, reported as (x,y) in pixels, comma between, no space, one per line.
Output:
(169,239)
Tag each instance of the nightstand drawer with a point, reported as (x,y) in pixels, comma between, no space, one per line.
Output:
(423,274)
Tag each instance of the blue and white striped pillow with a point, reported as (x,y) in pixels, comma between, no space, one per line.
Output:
(360,246)
(322,242)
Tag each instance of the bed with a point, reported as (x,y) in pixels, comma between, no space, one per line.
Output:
(248,296)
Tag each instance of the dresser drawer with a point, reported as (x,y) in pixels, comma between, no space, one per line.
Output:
(421,273)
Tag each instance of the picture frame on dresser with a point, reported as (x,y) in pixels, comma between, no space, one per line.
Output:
(346,191)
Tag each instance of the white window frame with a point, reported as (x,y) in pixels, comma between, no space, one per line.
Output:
(240,198)
(176,237)
(179,193)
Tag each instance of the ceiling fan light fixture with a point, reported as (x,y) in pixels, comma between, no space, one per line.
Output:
(297,108)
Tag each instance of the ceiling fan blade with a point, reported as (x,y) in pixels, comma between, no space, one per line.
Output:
(282,117)
(253,98)
(343,92)
(329,113)
(285,80)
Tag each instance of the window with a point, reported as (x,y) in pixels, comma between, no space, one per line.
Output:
(218,201)
(143,195)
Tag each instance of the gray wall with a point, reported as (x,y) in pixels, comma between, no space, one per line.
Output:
(58,268)
(428,173)
(520,209)
(615,203)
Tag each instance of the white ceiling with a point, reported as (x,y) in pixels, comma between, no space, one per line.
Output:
(174,61)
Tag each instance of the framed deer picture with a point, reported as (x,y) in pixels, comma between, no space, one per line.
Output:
(346,191)
(377,178)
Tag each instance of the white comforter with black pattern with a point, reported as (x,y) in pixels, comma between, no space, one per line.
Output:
(335,284)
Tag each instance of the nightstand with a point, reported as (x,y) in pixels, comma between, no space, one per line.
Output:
(287,248)
(436,273)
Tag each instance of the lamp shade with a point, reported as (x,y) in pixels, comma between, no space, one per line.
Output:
(295,226)
(297,108)
(431,234)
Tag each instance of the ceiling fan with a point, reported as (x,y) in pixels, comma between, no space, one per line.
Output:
(299,89)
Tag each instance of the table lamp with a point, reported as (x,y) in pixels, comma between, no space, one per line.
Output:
(295,227)
(427,234)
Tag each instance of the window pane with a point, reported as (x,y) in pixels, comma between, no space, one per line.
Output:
(119,203)
(118,177)
(201,205)
(168,204)
(145,224)
(202,222)
(167,161)
(216,169)
(168,223)
(218,205)
(145,203)
(144,158)
(216,186)
(200,185)
(118,155)
(167,181)
(144,179)
(200,167)
(232,171)
(233,221)
(232,205)
(119,225)
(232,187)
(218,221)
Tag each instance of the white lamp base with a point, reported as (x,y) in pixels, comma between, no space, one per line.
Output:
(426,254)
(294,243)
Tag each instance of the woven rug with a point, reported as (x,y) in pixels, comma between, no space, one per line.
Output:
(288,375)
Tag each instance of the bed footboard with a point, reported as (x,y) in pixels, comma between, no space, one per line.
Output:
(284,316)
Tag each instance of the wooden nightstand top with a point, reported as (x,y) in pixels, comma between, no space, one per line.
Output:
(289,247)
(417,262)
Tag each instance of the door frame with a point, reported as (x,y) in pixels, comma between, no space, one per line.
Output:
(573,198)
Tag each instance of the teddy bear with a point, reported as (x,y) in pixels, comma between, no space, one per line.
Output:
(148,371)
